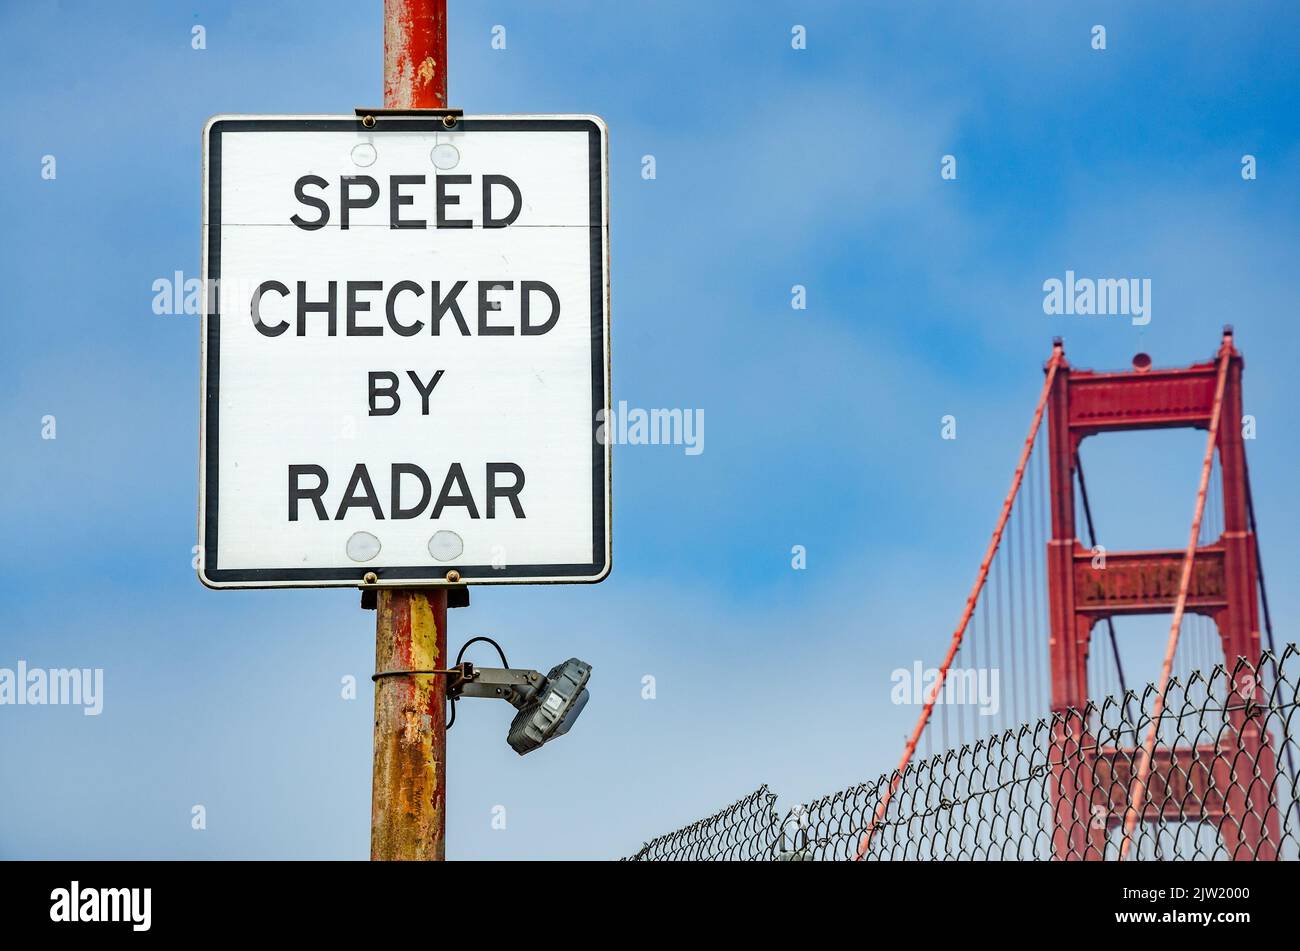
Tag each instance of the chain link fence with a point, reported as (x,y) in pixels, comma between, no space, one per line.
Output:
(1222,786)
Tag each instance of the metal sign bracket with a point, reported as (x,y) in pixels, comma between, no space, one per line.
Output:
(449,116)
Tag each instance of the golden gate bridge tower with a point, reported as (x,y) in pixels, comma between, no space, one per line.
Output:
(1040,600)
(1096,786)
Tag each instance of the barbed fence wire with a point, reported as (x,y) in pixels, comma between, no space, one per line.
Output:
(1222,787)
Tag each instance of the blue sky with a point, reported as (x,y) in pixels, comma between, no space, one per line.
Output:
(775,167)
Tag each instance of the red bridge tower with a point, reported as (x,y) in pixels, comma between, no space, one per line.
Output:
(1090,783)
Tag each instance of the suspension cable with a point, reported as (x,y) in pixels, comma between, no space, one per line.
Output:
(1058,357)
(1138,790)
(1110,621)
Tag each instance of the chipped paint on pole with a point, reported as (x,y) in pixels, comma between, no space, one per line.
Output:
(415,54)
(407,818)
(407,811)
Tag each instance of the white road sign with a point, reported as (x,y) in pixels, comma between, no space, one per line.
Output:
(405,351)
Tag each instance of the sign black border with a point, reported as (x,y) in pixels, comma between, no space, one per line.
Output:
(352,575)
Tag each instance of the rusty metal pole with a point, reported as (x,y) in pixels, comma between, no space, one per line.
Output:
(408,801)
(415,54)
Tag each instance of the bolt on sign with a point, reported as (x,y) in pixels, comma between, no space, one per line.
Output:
(405,351)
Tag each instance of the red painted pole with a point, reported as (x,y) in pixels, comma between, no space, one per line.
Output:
(415,54)
(408,803)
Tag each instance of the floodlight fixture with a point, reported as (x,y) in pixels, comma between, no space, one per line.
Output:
(547,705)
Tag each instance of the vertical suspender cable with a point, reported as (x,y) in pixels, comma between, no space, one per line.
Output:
(969,609)
(1031,667)
(1268,617)
(1110,622)
(1027,712)
(1000,585)
(1045,532)
(1013,656)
